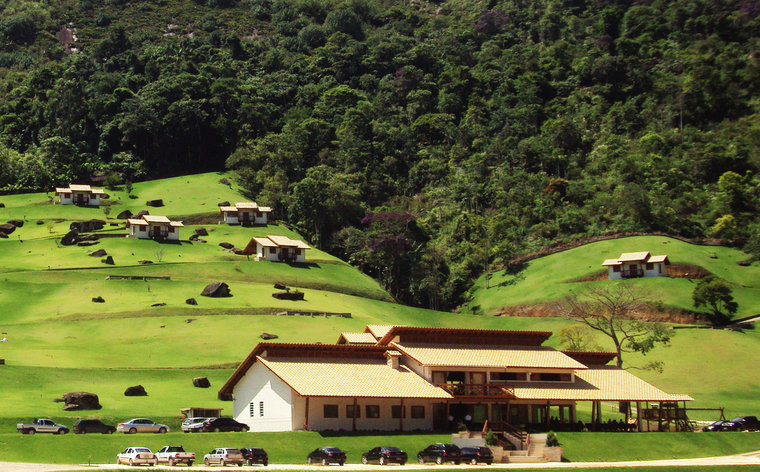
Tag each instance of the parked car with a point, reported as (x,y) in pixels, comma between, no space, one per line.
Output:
(255,455)
(477,455)
(174,455)
(223,456)
(385,455)
(716,426)
(93,426)
(746,423)
(223,424)
(192,425)
(42,425)
(141,425)
(326,455)
(440,453)
(136,456)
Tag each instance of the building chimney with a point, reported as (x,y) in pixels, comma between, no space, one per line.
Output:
(393,359)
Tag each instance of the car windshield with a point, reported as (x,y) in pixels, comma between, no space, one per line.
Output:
(392,449)
(331,449)
(233,451)
(738,419)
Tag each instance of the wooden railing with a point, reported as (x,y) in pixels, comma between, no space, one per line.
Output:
(502,427)
(479,390)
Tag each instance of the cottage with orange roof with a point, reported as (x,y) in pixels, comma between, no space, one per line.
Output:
(636,264)
(410,378)
(155,227)
(277,248)
(245,213)
(82,195)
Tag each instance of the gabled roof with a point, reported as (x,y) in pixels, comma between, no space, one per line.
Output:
(611,262)
(302,352)
(286,241)
(246,205)
(591,358)
(378,331)
(602,383)
(264,242)
(633,256)
(156,219)
(227,209)
(80,188)
(356,338)
(467,356)
(364,378)
(410,334)
(136,222)
(662,258)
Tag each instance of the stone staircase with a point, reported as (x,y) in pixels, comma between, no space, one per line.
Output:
(534,453)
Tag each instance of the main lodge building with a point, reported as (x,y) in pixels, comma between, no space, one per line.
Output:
(401,378)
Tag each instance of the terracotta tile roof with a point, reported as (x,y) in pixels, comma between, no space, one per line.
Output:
(378,331)
(131,221)
(633,256)
(227,209)
(356,338)
(265,242)
(605,383)
(662,258)
(156,219)
(611,262)
(463,336)
(246,205)
(285,241)
(489,356)
(80,188)
(62,190)
(330,378)
(265,209)
(176,224)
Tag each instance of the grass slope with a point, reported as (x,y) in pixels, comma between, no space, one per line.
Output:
(545,278)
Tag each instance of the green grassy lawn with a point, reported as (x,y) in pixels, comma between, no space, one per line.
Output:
(545,279)
(594,447)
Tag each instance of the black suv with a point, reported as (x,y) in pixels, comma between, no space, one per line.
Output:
(440,453)
(385,455)
(223,424)
(93,426)
(745,423)
(326,455)
(475,455)
(255,455)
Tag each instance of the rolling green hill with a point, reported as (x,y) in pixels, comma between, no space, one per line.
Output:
(59,340)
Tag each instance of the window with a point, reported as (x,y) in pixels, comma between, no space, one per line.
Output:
(261,408)
(330,411)
(171,229)
(350,411)
(372,411)
(272,250)
(251,410)
(397,410)
(507,376)
(418,412)
(650,266)
(551,377)
(296,251)
(615,268)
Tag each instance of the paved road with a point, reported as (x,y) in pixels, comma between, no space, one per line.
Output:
(750,458)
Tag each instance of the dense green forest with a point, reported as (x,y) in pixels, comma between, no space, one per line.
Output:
(422,141)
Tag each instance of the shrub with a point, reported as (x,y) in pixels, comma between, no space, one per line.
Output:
(552,440)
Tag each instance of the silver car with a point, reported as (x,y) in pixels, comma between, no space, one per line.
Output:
(193,425)
(141,425)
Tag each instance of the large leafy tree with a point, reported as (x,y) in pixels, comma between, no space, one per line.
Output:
(715,295)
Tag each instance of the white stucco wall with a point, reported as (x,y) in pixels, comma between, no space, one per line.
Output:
(259,384)
(173,236)
(262,220)
(317,421)
(230,218)
(263,254)
(614,275)
(139,232)
(658,270)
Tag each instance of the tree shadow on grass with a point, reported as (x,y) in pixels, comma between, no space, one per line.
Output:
(517,273)
(303,265)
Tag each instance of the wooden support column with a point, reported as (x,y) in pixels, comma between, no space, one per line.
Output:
(561,413)
(639,425)
(353,424)
(573,414)
(306,420)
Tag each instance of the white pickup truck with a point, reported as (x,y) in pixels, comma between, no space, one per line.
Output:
(174,455)
(42,425)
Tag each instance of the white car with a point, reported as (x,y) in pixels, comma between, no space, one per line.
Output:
(193,425)
(136,456)
(224,456)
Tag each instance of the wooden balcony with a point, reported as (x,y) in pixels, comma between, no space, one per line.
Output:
(492,390)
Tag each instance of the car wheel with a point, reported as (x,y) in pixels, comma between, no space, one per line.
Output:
(110,431)
(61,431)
(189,463)
(420,459)
(132,430)
(171,462)
(131,463)
(30,431)
(402,463)
(216,430)
(456,462)
(364,460)
(324,462)
(206,462)
(162,430)
(222,463)
(474,461)
(266,463)
(439,460)
(340,463)
(488,463)
(382,460)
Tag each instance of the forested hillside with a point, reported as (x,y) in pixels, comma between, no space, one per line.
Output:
(422,141)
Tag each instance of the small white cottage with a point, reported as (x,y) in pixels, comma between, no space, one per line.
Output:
(277,248)
(636,264)
(83,195)
(154,227)
(245,213)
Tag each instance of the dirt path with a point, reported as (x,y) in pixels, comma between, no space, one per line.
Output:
(750,458)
